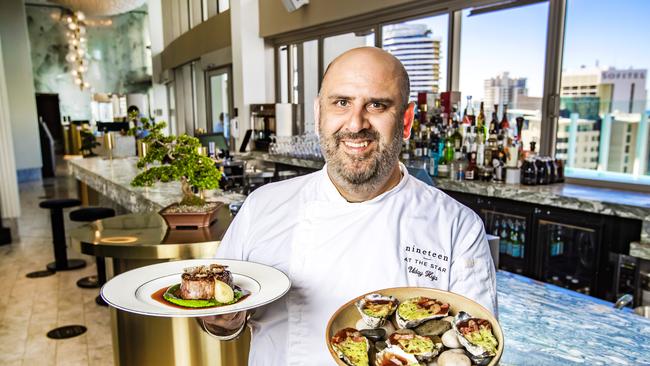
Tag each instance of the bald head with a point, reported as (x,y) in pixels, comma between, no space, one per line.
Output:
(371,58)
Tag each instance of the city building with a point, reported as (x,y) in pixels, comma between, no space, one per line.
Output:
(622,90)
(504,89)
(415,47)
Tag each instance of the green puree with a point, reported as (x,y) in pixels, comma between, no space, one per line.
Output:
(417,345)
(170,295)
(485,339)
(356,352)
(379,312)
(411,311)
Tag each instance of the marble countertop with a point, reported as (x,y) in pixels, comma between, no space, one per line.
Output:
(112,178)
(549,325)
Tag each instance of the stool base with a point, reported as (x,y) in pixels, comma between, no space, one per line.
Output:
(99,301)
(71,265)
(89,282)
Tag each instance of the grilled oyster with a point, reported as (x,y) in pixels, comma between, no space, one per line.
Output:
(476,336)
(423,348)
(395,356)
(376,308)
(414,311)
(351,347)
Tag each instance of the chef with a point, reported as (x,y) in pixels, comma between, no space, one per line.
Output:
(360,224)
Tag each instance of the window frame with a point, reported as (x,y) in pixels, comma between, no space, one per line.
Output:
(555,34)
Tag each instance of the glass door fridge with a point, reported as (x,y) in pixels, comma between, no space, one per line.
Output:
(569,255)
(514,252)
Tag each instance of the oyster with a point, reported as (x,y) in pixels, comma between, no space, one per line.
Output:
(351,347)
(376,308)
(423,348)
(417,310)
(476,336)
(395,356)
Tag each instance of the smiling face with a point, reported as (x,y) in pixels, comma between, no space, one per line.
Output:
(363,117)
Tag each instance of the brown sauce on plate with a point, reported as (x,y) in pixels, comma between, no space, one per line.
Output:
(158,296)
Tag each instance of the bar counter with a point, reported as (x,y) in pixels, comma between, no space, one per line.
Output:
(112,179)
(603,201)
(548,325)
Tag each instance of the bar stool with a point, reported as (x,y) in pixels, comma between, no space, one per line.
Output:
(61,261)
(90,214)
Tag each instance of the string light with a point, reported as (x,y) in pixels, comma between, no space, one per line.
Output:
(77,47)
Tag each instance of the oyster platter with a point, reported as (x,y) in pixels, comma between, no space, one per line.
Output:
(413,326)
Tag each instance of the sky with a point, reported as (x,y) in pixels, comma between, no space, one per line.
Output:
(612,33)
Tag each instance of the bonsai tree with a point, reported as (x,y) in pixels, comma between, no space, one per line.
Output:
(175,158)
(88,142)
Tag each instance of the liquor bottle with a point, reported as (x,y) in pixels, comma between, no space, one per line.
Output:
(522,239)
(529,172)
(426,137)
(542,171)
(514,240)
(505,237)
(494,125)
(480,122)
(457,138)
(461,165)
(480,150)
(406,155)
(505,125)
(495,232)
(471,172)
(434,156)
(468,115)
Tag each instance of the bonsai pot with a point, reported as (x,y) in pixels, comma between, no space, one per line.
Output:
(176,218)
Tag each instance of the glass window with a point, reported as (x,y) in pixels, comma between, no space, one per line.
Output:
(336,45)
(219,101)
(310,82)
(502,55)
(223,5)
(601,50)
(284,74)
(420,45)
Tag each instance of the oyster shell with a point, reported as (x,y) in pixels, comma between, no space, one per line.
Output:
(416,310)
(423,348)
(351,347)
(395,356)
(376,308)
(476,336)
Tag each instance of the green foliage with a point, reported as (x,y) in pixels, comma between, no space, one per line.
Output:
(88,142)
(174,158)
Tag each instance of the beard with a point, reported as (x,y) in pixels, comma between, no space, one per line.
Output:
(366,172)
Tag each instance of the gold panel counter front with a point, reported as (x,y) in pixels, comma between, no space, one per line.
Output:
(137,240)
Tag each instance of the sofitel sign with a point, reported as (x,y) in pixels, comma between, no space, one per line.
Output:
(623,74)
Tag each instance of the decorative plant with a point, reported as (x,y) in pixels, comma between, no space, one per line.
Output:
(172,158)
(88,142)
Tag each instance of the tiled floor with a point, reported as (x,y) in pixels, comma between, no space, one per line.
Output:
(29,308)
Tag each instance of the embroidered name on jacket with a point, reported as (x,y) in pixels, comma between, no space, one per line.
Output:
(425,263)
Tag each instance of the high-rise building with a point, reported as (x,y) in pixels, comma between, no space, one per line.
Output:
(619,90)
(418,51)
(615,100)
(583,151)
(504,90)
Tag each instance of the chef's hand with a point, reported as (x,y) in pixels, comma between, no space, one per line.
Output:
(224,327)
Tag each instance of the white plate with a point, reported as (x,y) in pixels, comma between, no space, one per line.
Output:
(131,291)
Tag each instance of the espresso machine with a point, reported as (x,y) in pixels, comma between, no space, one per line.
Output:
(263,125)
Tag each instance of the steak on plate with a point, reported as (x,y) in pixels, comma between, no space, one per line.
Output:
(197,283)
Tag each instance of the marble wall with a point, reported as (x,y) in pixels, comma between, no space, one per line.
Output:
(120,60)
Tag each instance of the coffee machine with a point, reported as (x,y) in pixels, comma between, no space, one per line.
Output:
(263,125)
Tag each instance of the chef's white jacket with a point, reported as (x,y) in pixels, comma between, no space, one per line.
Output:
(334,251)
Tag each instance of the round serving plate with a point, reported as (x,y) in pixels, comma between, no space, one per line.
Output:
(132,291)
(348,315)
